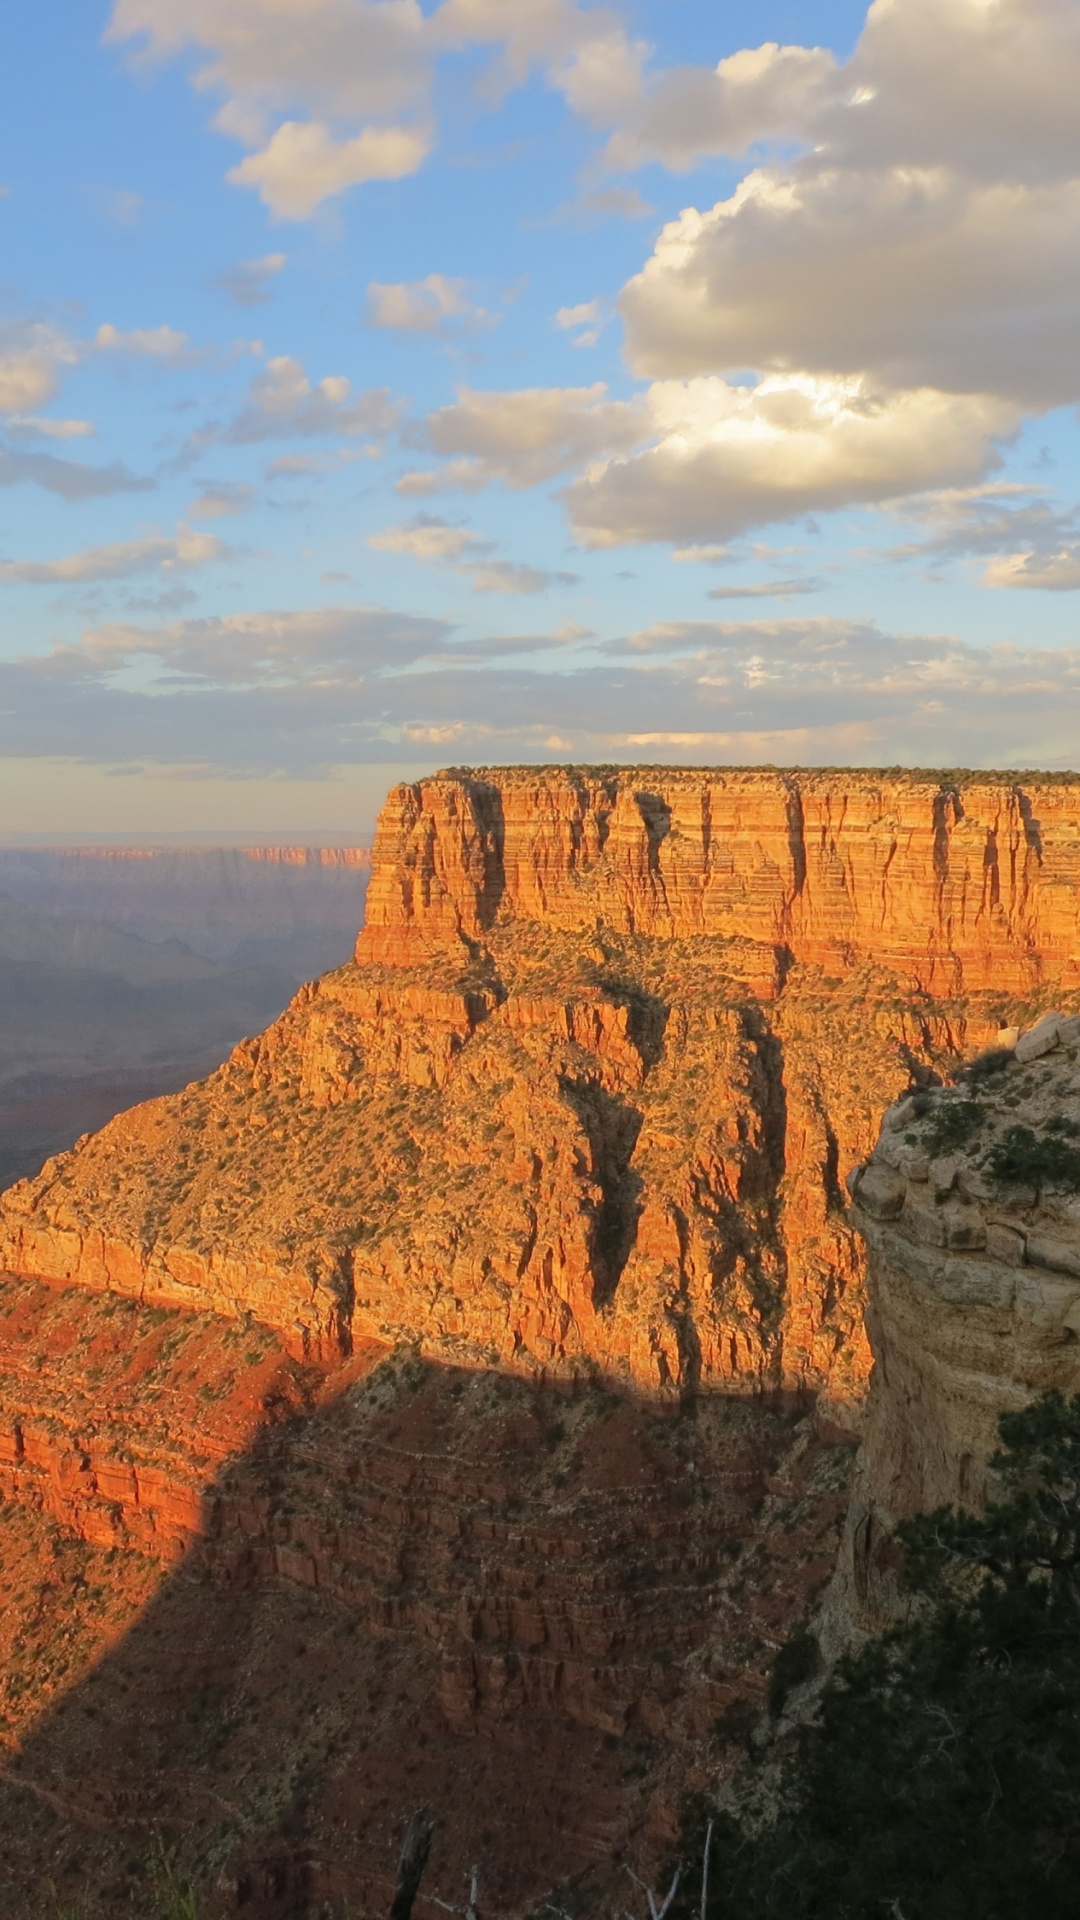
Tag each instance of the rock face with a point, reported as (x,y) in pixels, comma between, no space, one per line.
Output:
(970,1206)
(588,1094)
(958,887)
(264,1607)
(462,1370)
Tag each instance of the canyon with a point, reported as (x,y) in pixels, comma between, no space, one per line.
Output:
(127,972)
(453,1397)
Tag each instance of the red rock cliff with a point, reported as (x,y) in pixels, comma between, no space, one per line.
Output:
(587,1097)
(958,886)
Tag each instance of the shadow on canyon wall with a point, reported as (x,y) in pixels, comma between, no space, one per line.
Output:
(540,1612)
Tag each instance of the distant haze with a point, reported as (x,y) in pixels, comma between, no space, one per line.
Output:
(126,972)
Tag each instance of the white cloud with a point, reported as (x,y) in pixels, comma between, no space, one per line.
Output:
(1056,571)
(434,541)
(927,238)
(162,343)
(756,94)
(702,460)
(331,93)
(283,403)
(247,282)
(426,538)
(303,165)
(32,357)
(421,306)
(532,434)
(725,458)
(221,498)
(120,561)
(589,315)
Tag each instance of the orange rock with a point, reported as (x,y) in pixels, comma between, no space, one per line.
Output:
(588,1096)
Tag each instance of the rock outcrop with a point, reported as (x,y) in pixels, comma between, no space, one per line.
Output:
(461,1374)
(587,1096)
(970,1206)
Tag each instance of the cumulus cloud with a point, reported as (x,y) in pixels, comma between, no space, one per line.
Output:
(165,344)
(702,460)
(927,238)
(247,283)
(329,94)
(303,165)
(32,357)
(724,458)
(422,306)
(121,560)
(756,94)
(284,404)
(532,434)
(433,541)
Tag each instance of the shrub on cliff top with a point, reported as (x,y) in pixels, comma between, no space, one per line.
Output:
(1023,1158)
(941,1779)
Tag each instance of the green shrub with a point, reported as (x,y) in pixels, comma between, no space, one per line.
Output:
(798,1660)
(951,1125)
(941,1778)
(987,1065)
(1023,1159)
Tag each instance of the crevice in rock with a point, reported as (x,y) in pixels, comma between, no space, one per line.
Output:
(612,1127)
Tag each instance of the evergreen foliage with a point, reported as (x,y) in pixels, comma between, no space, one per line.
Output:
(941,1778)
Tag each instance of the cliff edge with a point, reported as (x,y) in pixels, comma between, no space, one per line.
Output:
(970,1208)
(587,1096)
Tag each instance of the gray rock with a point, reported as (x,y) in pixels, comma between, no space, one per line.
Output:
(881,1193)
(1058,1255)
(898,1115)
(964,1227)
(1039,1039)
(976,1283)
(974,1184)
(942,1172)
(1004,1243)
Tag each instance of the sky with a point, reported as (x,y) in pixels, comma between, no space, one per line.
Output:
(395,384)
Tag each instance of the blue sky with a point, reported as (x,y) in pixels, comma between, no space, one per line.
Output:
(387,385)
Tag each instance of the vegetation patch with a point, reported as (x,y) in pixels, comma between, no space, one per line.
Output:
(1024,1158)
(941,1777)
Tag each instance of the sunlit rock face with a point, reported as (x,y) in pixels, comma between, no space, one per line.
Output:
(970,1208)
(588,1093)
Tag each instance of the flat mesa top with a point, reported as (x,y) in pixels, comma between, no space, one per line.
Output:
(945,778)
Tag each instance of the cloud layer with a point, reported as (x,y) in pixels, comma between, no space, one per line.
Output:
(302,691)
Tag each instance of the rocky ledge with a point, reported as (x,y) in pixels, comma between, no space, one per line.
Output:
(970,1206)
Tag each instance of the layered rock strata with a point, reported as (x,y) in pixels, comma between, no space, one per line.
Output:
(284,1603)
(587,1096)
(970,1207)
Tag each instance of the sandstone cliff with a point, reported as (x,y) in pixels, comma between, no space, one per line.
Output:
(579,1115)
(588,1094)
(970,1206)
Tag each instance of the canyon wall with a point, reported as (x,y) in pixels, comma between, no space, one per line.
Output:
(974,1295)
(957,886)
(451,1397)
(587,1096)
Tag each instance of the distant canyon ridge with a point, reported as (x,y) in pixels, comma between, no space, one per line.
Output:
(128,971)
